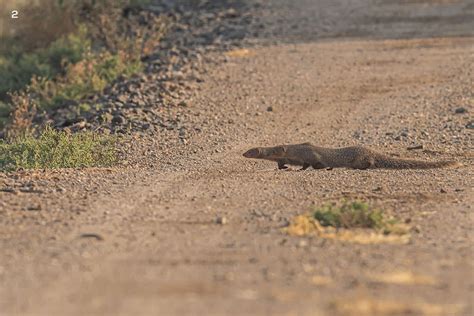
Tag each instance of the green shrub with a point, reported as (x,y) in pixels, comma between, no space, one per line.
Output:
(351,215)
(88,45)
(58,149)
(89,76)
(17,68)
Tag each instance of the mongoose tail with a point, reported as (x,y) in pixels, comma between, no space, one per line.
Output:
(387,162)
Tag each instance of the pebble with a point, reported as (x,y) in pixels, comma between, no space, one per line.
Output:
(460,110)
(415,147)
(221,220)
(117,119)
(34,208)
(92,235)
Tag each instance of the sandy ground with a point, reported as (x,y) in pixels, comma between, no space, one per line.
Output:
(157,249)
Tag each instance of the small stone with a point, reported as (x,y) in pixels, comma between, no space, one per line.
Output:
(470,125)
(92,235)
(117,120)
(443,191)
(122,98)
(415,147)
(221,220)
(378,189)
(270,109)
(460,110)
(302,243)
(34,208)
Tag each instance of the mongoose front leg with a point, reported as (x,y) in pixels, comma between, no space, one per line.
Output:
(305,166)
(281,165)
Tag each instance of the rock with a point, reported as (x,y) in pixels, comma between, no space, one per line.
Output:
(470,125)
(118,120)
(460,110)
(91,235)
(270,109)
(34,208)
(415,147)
(122,98)
(221,220)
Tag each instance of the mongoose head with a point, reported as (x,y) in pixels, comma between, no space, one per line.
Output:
(265,152)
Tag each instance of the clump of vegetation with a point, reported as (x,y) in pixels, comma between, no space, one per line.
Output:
(355,222)
(88,45)
(58,149)
(57,54)
(90,75)
(355,214)
(18,66)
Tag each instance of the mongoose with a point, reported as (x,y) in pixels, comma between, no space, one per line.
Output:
(355,157)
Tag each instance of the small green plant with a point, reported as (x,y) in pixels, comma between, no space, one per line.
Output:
(58,149)
(354,214)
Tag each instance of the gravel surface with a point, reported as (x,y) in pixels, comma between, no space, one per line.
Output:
(187,226)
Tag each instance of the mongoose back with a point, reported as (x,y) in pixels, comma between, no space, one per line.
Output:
(355,157)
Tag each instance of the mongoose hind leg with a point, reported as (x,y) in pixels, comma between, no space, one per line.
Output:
(363,163)
(318,165)
(281,165)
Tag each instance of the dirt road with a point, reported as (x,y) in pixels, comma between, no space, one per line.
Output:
(144,241)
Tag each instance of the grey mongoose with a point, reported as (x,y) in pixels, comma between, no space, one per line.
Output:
(355,157)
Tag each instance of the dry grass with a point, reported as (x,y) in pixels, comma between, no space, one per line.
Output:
(39,23)
(354,222)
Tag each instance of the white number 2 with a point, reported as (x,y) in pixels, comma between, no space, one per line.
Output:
(14,14)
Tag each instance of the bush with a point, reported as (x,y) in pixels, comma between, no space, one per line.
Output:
(90,75)
(17,69)
(76,60)
(58,149)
